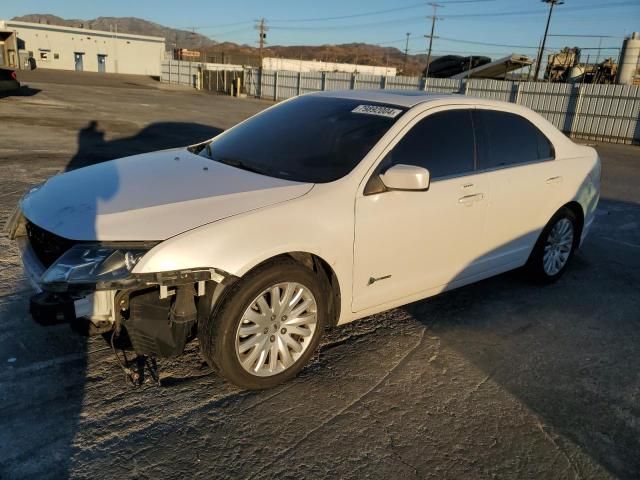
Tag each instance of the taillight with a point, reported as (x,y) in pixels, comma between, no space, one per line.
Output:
(14,76)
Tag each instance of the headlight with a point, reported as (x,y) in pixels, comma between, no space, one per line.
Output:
(93,264)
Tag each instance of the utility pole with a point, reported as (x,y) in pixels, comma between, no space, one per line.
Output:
(262,34)
(433,28)
(406,53)
(552,3)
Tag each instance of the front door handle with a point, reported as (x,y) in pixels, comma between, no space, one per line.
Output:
(469,199)
(554,180)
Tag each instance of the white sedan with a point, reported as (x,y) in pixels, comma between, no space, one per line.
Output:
(318,211)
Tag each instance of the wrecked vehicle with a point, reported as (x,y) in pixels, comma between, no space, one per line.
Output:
(320,210)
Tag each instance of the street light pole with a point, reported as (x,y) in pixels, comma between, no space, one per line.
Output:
(551,3)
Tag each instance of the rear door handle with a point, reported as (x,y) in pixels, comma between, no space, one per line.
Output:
(554,180)
(469,199)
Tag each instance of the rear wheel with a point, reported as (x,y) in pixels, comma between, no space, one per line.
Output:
(267,327)
(555,247)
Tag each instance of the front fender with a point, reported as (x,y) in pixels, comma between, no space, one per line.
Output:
(321,224)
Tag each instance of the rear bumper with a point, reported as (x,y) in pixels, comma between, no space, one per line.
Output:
(590,208)
(586,228)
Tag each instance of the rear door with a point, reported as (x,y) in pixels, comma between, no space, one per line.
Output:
(407,242)
(518,160)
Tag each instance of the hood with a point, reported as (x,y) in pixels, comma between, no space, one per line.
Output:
(152,196)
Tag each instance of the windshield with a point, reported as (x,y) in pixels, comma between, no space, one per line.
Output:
(308,139)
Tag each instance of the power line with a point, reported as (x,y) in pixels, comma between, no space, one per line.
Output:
(541,12)
(403,21)
(527,47)
(583,36)
(488,44)
(368,14)
(608,5)
(390,42)
(221,25)
(342,17)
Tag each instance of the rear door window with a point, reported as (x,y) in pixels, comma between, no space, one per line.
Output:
(507,139)
(443,143)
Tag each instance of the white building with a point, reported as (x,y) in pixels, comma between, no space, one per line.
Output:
(291,64)
(69,48)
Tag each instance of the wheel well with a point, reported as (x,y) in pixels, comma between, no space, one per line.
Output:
(322,268)
(576,208)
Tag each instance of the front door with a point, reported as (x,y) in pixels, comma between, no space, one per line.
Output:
(79,63)
(409,242)
(102,63)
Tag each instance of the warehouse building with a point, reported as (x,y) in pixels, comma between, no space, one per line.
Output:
(70,48)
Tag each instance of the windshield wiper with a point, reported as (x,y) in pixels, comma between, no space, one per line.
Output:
(243,165)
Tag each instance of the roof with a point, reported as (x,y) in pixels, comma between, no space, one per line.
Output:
(14,24)
(402,98)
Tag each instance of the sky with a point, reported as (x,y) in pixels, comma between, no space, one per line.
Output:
(472,27)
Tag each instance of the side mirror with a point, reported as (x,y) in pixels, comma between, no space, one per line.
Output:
(406,177)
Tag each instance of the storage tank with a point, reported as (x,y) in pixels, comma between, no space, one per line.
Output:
(629,59)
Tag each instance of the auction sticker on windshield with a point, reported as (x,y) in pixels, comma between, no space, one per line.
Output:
(377,110)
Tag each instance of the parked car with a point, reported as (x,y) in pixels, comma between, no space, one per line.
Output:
(318,211)
(8,80)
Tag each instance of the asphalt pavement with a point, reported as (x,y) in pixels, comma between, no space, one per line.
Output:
(500,379)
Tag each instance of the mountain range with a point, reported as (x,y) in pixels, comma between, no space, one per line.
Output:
(361,53)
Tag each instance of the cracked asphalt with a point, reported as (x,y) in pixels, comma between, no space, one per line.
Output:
(501,379)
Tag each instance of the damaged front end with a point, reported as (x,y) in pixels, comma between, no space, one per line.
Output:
(91,286)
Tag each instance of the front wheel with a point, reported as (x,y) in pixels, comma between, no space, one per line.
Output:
(267,327)
(555,247)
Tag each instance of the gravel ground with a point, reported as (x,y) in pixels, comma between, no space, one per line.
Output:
(501,379)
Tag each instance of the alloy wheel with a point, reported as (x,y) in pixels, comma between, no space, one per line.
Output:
(557,248)
(276,329)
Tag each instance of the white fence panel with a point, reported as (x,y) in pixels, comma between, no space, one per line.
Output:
(493,89)
(338,81)
(442,85)
(268,83)
(368,82)
(404,83)
(608,113)
(595,112)
(287,85)
(556,102)
(311,82)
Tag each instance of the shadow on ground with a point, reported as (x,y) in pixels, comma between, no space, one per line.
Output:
(23,91)
(47,366)
(569,351)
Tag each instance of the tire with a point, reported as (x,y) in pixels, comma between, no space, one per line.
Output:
(222,341)
(548,270)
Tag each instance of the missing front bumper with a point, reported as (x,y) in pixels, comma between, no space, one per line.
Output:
(51,309)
